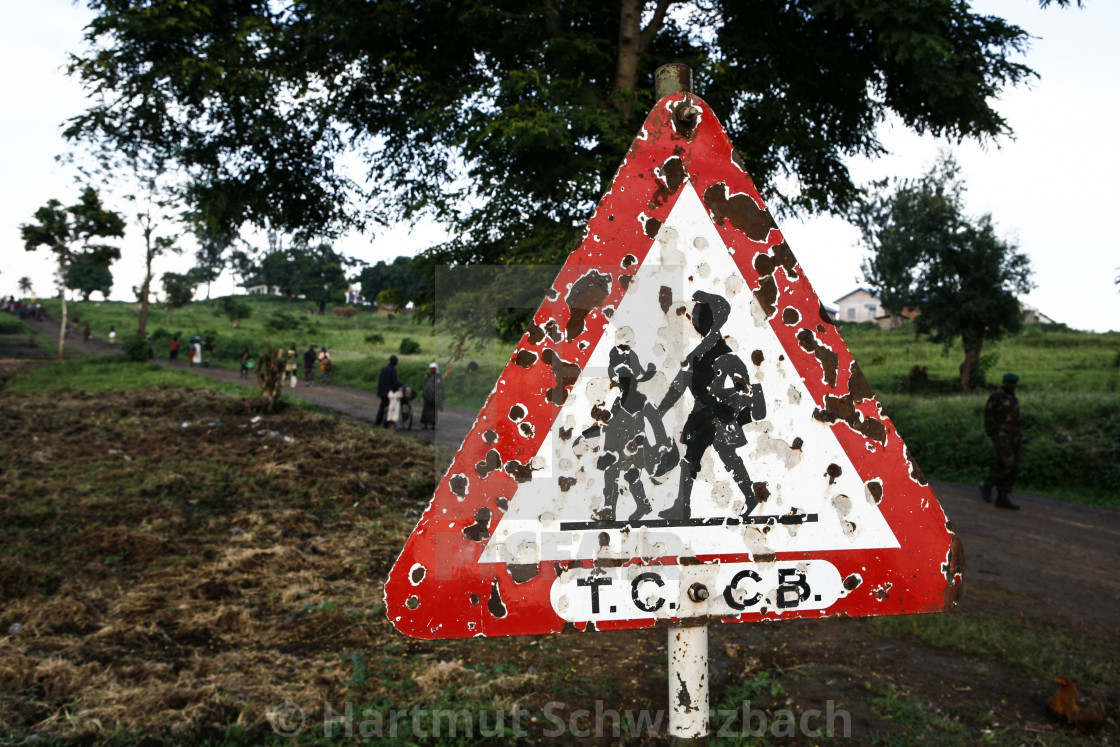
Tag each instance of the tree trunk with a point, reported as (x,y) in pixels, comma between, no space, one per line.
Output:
(971,358)
(63,271)
(633,41)
(145,291)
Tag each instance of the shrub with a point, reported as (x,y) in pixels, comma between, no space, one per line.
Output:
(346,311)
(376,338)
(134,348)
(409,346)
(281,321)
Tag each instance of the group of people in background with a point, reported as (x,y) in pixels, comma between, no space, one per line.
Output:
(395,397)
(23,309)
(199,352)
(288,361)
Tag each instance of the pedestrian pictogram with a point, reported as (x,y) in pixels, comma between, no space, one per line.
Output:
(681,435)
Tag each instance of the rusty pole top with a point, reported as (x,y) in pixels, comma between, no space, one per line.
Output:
(671,78)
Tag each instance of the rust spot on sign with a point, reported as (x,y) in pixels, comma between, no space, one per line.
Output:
(480,529)
(953,570)
(652,226)
(790,316)
(587,294)
(875,488)
(757,357)
(490,436)
(566,483)
(830,363)
(740,210)
(671,176)
(522,572)
(516,413)
(417,574)
(492,462)
(566,375)
(518,471)
(459,485)
(852,582)
(837,409)
(494,603)
(915,473)
(525,358)
(767,295)
(665,298)
(526,429)
(833,471)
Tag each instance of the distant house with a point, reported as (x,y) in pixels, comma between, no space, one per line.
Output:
(861,305)
(258,287)
(1031,315)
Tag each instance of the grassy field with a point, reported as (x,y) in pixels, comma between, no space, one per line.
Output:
(1070,389)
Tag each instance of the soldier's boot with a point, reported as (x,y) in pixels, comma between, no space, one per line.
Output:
(1002,501)
(986,492)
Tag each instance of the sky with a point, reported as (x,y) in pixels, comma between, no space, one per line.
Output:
(1051,189)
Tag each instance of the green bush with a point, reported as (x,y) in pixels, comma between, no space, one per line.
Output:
(281,321)
(409,346)
(134,348)
(375,339)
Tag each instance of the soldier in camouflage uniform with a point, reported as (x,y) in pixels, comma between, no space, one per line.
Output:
(1003,425)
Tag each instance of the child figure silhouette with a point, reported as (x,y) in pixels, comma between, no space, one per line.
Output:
(626,450)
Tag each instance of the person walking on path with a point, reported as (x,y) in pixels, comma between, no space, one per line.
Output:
(245,358)
(309,365)
(432,393)
(86,333)
(324,365)
(1003,424)
(174,354)
(112,335)
(393,411)
(387,381)
(290,364)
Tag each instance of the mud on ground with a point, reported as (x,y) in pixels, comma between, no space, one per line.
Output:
(176,565)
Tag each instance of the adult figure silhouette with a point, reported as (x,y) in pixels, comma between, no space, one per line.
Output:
(724,400)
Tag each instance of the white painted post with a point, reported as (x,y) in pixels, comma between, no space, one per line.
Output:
(688,682)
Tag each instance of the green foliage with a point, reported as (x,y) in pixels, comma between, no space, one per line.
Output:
(403,280)
(89,274)
(178,290)
(525,104)
(926,254)
(409,346)
(134,348)
(234,309)
(68,232)
(375,339)
(283,321)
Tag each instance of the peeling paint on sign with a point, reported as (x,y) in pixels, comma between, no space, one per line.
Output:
(680,437)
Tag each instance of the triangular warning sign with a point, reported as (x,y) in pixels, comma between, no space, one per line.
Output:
(681,435)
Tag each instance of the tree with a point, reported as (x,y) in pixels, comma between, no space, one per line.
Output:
(178,291)
(925,253)
(89,274)
(25,286)
(68,233)
(234,309)
(317,273)
(505,120)
(404,278)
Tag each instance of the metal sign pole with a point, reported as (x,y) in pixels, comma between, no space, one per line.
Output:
(688,647)
(688,682)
